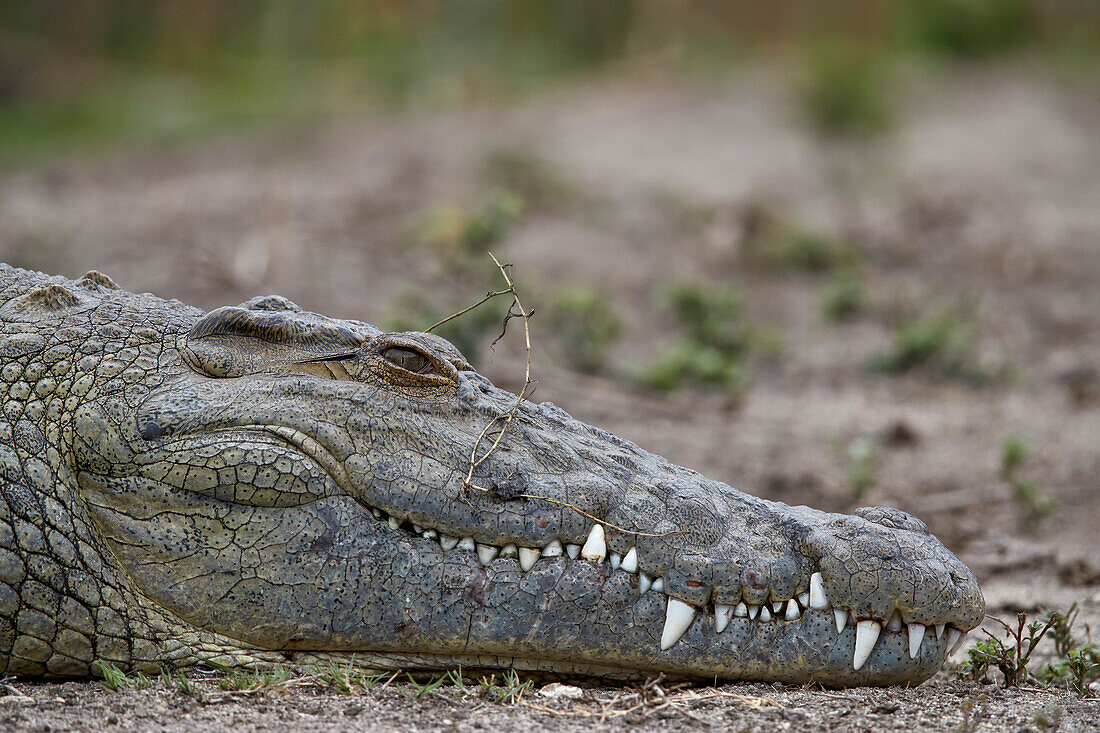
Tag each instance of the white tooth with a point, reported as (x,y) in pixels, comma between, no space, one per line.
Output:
(777,606)
(595,549)
(792,610)
(486,553)
(630,561)
(394,522)
(509,550)
(644,583)
(527,557)
(916,635)
(721,617)
(841,617)
(377,514)
(659,585)
(572,551)
(616,559)
(741,610)
(417,528)
(429,534)
(754,611)
(804,599)
(939,630)
(817,592)
(894,624)
(466,543)
(553,549)
(955,639)
(866,635)
(765,614)
(678,617)
(448,542)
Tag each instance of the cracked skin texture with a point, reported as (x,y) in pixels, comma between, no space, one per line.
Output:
(180,486)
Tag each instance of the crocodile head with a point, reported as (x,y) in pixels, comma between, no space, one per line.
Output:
(298,483)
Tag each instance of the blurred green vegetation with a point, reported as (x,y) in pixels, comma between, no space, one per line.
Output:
(87,71)
(583,325)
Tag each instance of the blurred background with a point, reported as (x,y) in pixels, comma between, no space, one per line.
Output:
(832,253)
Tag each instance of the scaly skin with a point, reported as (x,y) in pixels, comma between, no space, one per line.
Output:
(261,484)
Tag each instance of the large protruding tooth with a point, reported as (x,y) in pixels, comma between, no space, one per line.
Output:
(765,614)
(894,624)
(448,542)
(804,599)
(644,582)
(630,561)
(553,549)
(467,543)
(527,557)
(817,592)
(754,611)
(486,554)
(678,617)
(866,635)
(792,610)
(939,630)
(595,549)
(614,559)
(954,640)
(741,610)
(841,617)
(509,550)
(721,617)
(573,551)
(916,635)
(659,585)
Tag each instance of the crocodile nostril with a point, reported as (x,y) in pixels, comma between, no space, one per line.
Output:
(151,431)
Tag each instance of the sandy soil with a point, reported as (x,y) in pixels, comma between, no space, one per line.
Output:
(983,199)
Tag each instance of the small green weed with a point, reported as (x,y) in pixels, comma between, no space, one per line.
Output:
(459,233)
(938,343)
(965,28)
(843,297)
(700,366)
(861,462)
(1034,506)
(1010,655)
(347,678)
(807,251)
(583,325)
(509,691)
(843,91)
(114,679)
(1013,452)
(541,185)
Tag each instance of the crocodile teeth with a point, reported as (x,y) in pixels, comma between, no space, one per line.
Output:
(467,543)
(765,614)
(553,549)
(527,558)
(486,554)
(721,617)
(894,624)
(804,599)
(954,640)
(376,513)
(616,558)
(741,610)
(394,522)
(447,542)
(777,606)
(866,635)
(792,610)
(678,617)
(841,617)
(939,630)
(417,528)
(659,585)
(429,534)
(644,583)
(595,549)
(754,611)
(916,635)
(817,592)
(630,561)
(509,550)
(573,551)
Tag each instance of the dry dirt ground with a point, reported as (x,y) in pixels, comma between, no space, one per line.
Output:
(982,202)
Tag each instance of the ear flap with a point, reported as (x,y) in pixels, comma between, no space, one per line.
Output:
(233,342)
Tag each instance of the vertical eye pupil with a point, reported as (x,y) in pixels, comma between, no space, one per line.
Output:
(408,359)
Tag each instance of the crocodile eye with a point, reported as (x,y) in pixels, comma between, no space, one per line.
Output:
(409,360)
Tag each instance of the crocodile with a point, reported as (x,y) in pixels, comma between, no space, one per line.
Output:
(260,485)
